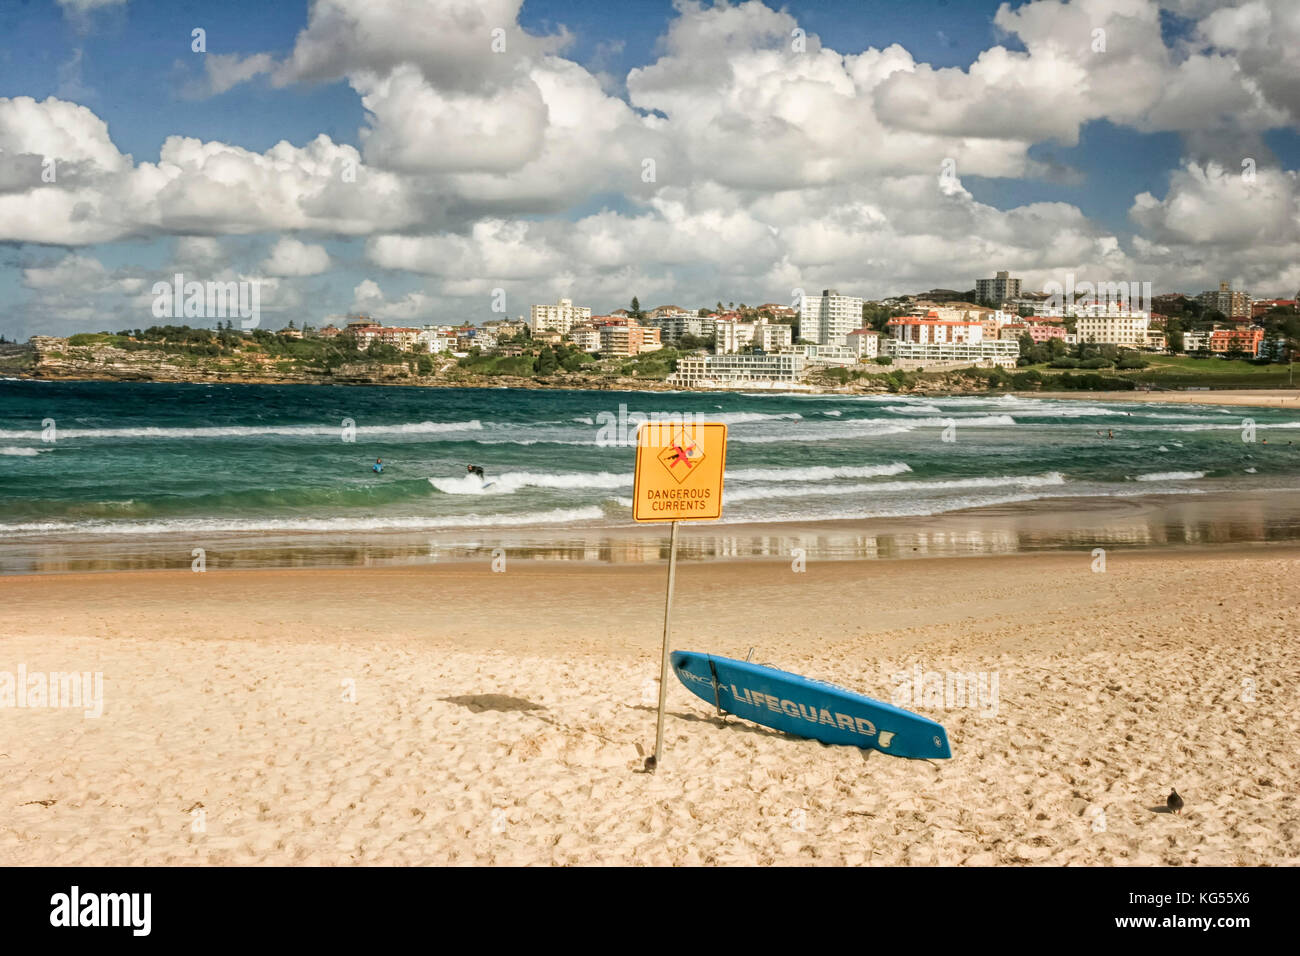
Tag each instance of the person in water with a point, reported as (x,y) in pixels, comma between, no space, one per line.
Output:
(475,470)
(378,466)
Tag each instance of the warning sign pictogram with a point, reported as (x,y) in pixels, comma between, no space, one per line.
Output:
(679,472)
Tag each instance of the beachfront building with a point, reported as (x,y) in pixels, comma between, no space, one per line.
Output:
(623,340)
(1123,328)
(672,326)
(1248,340)
(827,319)
(930,329)
(1001,288)
(772,336)
(827,354)
(363,334)
(732,335)
(435,339)
(585,337)
(1196,341)
(1235,305)
(560,317)
(710,370)
(1157,340)
(864,343)
(910,354)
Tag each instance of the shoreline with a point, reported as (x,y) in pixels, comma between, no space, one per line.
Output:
(454,715)
(1037,526)
(1259,397)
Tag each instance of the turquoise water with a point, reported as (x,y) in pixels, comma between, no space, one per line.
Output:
(142,459)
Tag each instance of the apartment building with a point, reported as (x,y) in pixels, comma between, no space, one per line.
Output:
(1248,340)
(626,340)
(1128,329)
(827,319)
(696,370)
(732,335)
(1001,288)
(865,343)
(585,337)
(929,329)
(912,354)
(560,317)
(772,336)
(673,326)
(1038,331)
(1235,305)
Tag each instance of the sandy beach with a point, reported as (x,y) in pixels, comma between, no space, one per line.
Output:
(450,714)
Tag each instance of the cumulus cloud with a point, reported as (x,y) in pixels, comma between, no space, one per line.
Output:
(747,155)
(289,257)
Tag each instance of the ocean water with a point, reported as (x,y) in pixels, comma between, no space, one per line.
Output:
(155,459)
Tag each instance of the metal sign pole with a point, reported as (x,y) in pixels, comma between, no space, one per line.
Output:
(663,668)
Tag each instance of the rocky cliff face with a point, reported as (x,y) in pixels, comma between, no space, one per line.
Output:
(48,357)
(16,359)
(56,358)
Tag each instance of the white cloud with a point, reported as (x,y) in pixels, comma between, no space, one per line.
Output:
(225,70)
(773,166)
(289,257)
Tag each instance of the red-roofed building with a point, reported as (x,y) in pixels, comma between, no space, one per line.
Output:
(932,330)
(1259,308)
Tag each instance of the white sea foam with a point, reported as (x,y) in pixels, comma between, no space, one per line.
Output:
(882,487)
(22,452)
(232,525)
(817,472)
(252,431)
(512,481)
(1170,476)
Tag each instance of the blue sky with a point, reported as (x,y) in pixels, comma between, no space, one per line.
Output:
(129,63)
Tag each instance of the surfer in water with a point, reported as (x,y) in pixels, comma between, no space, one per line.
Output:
(378,466)
(475,470)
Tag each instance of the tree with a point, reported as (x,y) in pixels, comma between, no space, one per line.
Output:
(546,362)
(1175,338)
(635,312)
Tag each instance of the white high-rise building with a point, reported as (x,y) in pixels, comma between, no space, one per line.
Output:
(827,319)
(561,317)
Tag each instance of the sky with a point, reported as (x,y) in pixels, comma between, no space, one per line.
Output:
(436,161)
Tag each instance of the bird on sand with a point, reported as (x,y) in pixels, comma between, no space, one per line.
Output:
(1175,802)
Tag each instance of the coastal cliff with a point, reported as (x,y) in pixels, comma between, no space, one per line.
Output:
(116,358)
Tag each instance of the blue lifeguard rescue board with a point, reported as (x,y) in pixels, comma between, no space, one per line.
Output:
(808,708)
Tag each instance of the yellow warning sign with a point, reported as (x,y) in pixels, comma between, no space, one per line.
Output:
(679,471)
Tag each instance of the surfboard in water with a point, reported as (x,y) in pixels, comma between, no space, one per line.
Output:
(808,708)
